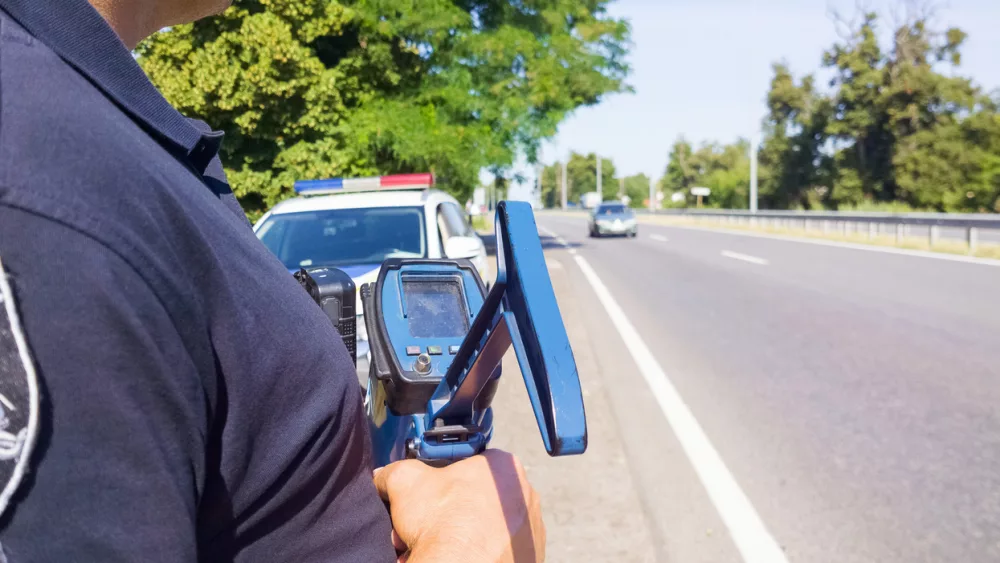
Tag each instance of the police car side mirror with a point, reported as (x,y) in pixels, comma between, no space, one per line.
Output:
(462,247)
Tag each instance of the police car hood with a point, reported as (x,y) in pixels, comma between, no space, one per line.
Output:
(361,271)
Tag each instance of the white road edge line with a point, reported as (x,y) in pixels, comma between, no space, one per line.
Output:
(744,257)
(563,242)
(660,238)
(754,542)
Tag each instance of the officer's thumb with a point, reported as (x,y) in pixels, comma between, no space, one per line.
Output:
(398,477)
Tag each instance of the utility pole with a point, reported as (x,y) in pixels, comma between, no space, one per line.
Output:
(753,173)
(652,194)
(564,185)
(599,177)
(621,187)
(539,170)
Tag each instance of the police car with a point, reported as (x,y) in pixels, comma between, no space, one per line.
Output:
(354,224)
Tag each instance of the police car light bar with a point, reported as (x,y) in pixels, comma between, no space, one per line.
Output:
(375,183)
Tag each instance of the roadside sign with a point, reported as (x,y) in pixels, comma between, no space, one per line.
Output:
(700,192)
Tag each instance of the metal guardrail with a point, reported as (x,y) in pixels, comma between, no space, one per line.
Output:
(874,223)
(960,220)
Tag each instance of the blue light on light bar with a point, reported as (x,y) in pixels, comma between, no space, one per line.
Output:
(306,186)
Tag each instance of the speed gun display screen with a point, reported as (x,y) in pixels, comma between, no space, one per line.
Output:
(435,309)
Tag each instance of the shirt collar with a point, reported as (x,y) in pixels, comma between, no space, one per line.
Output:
(75,31)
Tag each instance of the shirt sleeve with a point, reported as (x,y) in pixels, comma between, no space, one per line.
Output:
(115,472)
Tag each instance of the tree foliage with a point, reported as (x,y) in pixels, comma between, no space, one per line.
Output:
(682,170)
(897,126)
(319,88)
(724,169)
(581,176)
(637,190)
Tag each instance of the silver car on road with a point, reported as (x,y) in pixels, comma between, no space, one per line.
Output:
(613,218)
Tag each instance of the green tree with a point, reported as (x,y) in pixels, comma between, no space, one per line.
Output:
(727,173)
(906,130)
(724,169)
(859,120)
(793,168)
(637,189)
(954,167)
(581,174)
(551,186)
(682,170)
(319,88)
(898,129)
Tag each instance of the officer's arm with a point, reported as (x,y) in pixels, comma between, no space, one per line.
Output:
(114,475)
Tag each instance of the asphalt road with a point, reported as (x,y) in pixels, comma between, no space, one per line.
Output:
(851,396)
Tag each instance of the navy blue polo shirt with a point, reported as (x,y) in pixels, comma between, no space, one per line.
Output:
(196,405)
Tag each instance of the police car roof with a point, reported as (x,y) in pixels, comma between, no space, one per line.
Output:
(388,198)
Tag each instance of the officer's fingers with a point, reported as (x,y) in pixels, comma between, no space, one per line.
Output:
(397,542)
(398,477)
(402,550)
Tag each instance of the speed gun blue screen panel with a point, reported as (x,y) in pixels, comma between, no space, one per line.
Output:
(437,340)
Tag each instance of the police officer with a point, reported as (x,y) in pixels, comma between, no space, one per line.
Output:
(169,393)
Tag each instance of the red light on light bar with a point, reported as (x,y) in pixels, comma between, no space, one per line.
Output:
(407,180)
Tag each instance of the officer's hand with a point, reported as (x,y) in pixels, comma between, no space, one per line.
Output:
(478,510)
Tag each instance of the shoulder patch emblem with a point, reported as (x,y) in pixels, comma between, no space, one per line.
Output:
(19,400)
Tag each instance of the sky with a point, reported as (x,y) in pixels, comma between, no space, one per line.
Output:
(701,69)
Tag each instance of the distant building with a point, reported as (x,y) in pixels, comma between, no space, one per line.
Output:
(591,200)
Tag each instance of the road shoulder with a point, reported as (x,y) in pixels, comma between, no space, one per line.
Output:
(592,507)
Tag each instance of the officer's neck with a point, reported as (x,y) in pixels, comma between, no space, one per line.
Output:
(135,20)
(132,20)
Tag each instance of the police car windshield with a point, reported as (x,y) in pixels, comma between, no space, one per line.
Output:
(345,237)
